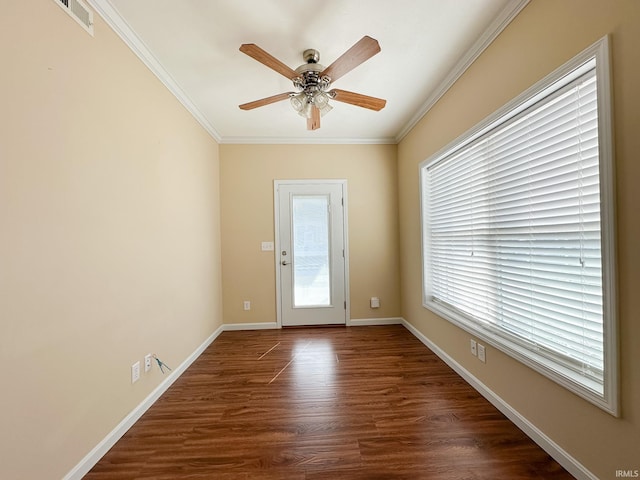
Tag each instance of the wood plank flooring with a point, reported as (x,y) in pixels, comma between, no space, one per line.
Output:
(361,403)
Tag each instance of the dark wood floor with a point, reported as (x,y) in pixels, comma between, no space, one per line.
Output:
(364,403)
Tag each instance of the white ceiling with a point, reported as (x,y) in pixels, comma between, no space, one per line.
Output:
(192,46)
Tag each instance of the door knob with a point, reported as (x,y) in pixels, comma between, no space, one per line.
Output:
(284,262)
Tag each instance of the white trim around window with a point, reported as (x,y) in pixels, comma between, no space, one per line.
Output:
(518,229)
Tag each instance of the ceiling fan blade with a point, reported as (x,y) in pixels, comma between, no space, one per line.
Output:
(265,101)
(267,59)
(313,123)
(362,51)
(365,101)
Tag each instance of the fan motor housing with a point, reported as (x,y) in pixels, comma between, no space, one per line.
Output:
(310,67)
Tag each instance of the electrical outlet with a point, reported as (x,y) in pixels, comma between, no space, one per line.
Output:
(374,302)
(474,347)
(135,372)
(147,363)
(482,353)
(246,305)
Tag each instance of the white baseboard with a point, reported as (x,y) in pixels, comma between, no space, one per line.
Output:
(249,326)
(560,455)
(354,322)
(87,463)
(110,440)
(363,322)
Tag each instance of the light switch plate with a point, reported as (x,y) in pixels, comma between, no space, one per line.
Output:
(267,246)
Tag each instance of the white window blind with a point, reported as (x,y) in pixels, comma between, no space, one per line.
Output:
(512,233)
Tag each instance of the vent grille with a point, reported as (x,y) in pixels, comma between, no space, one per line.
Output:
(79,12)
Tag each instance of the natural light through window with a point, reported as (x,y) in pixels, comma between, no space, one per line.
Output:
(518,229)
(312,285)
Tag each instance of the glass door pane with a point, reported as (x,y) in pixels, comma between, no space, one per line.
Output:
(311,276)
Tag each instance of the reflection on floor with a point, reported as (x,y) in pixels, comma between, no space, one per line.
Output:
(358,403)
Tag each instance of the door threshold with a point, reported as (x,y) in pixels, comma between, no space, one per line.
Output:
(329,325)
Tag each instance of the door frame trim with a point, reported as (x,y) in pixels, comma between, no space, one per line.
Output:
(345,230)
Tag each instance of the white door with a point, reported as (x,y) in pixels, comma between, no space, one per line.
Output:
(311,260)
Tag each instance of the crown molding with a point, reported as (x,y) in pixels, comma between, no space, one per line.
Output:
(505,17)
(307,141)
(113,18)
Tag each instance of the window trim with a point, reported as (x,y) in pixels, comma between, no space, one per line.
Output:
(600,51)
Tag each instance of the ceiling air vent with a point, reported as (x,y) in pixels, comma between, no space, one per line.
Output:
(79,12)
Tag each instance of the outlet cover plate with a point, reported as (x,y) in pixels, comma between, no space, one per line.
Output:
(482,354)
(147,363)
(135,372)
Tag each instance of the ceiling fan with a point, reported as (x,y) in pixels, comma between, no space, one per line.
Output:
(313,82)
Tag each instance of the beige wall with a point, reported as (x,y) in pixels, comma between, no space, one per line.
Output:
(545,34)
(109,236)
(111,212)
(248,172)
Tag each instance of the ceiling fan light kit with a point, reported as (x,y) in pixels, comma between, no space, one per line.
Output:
(312,86)
(312,81)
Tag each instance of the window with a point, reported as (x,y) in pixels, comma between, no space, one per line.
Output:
(518,229)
